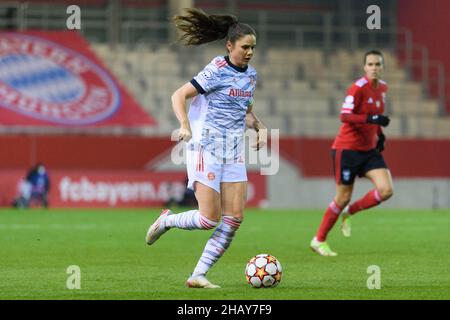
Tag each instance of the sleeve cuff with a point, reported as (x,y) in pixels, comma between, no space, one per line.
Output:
(198,87)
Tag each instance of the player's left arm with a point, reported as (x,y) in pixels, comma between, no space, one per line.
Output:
(252,122)
(381,142)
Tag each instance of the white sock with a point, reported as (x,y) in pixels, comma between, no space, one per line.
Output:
(217,244)
(189,220)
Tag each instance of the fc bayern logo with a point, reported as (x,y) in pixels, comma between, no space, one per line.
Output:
(47,81)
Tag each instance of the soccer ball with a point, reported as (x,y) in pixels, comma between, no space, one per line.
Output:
(263,271)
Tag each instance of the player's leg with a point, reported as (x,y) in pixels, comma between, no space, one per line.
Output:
(233,199)
(200,169)
(44,200)
(32,200)
(204,178)
(206,217)
(375,169)
(377,172)
(233,191)
(233,195)
(209,204)
(382,180)
(345,165)
(341,199)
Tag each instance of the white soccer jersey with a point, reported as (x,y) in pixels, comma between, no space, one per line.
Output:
(217,114)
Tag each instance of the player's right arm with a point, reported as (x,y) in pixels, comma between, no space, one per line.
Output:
(349,110)
(179,98)
(206,81)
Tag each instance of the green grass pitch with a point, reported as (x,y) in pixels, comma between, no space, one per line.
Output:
(411,247)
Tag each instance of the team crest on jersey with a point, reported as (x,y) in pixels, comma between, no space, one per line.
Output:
(211,176)
(47,81)
(370,100)
(346,174)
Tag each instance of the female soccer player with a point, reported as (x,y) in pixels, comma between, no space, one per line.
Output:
(357,151)
(214,131)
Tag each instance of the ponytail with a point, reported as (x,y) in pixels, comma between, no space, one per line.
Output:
(198,27)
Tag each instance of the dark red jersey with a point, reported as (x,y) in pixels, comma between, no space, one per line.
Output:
(362,100)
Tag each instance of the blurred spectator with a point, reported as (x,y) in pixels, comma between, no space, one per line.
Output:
(40,185)
(22,199)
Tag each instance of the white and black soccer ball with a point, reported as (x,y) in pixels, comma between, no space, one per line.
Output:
(263,271)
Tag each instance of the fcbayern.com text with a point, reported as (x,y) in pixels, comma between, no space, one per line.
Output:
(84,190)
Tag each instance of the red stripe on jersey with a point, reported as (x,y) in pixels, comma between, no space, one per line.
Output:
(200,160)
(196,165)
(221,64)
(202,165)
(197,168)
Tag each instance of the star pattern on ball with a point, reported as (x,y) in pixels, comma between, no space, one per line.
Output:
(261,272)
(277,276)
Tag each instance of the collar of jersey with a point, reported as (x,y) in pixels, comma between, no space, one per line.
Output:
(370,83)
(227,59)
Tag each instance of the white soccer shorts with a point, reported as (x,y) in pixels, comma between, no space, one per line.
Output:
(206,169)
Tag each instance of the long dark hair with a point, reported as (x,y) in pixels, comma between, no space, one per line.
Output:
(199,27)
